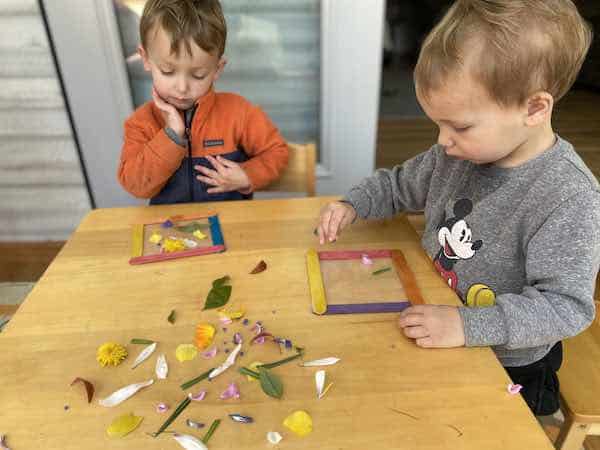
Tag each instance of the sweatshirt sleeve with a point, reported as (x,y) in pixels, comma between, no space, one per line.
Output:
(266,148)
(391,191)
(148,159)
(562,260)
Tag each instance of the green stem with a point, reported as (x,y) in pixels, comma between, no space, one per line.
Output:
(281,361)
(173,416)
(211,430)
(385,269)
(250,373)
(198,379)
(142,341)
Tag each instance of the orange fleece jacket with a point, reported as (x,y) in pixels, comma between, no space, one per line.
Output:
(149,157)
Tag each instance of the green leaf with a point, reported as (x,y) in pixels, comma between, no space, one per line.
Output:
(191,227)
(217,297)
(220,281)
(270,383)
(385,269)
(171,317)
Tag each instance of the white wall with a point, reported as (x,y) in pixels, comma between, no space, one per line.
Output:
(42,191)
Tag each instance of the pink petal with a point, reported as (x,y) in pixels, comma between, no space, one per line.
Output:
(257,328)
(197,397)
(237,338)
(514,388)
(232,391)
(226,320)
(366,260)
(162,407)
(209,353)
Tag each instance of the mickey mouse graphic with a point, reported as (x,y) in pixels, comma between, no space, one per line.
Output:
(454,235)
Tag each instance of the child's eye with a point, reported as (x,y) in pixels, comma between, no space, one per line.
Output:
(462,129)
(166,72)
(199,77)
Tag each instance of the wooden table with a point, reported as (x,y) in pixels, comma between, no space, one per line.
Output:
(387,393)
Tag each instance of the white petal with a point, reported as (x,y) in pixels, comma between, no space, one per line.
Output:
(321,362)
(274,437)
(124,393)
(189,442)
(227,364)
(162,369)
(143,356)
(320,382)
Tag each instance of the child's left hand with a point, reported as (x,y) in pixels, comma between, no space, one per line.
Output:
(227,176)
(433,325)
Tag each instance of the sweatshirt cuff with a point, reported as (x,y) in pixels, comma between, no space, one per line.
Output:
(182,142)
(359,201)
(484,326)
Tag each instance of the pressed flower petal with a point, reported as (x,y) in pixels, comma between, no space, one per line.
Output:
(189,442)
(171,245)
(124,393)
(199,234)
(237,338)
(89,388)
(321,362)
(210,353)
(123,425)
(144,355)
(514,388)
(162,407)
(204,335)
(227,364)
(231,314)
(366,260)
(186,352)
(155,238)
(274,437)
(197,397)
(299,422)
(192,424)
(189,243)
(162,368)
(232,391)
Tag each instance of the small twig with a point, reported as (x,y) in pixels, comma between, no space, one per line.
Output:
(404,413)
(455,429)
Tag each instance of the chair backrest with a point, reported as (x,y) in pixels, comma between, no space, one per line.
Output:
(299,175)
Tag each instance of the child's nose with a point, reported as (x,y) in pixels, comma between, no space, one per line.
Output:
(181,85)
(444,139)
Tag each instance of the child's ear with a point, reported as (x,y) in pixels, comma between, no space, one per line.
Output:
(220,66)
(539,108)
(144,57)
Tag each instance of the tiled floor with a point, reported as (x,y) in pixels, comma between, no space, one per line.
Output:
(11,296)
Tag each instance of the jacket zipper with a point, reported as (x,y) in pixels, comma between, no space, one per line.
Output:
(188,135)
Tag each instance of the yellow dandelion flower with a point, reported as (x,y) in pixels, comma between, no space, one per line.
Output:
(204,335)
(111,353)
(171,245)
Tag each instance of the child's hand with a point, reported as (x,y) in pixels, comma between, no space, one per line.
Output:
(334,218)
(227,176)
(171,115)
(433,325)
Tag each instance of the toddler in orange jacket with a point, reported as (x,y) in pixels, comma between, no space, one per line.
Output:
(190,143)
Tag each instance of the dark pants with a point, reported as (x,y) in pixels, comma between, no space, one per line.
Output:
(540,382)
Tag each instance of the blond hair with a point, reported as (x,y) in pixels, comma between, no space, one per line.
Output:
(521,47)
(185,20)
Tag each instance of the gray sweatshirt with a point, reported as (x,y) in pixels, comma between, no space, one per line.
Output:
(520,246)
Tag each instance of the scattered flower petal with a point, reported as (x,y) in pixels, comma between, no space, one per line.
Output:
(274,437)
(237,338)
(260,267)
(123,425)
(232,391)
(257,328)
(209,353)
(186,352)
(514,388)
(199,234)
(155,238)
(366,260)
(230,314)
(245,322)
(144,355)
(320,382)
(111,353)
(124,393)
(299,422)
(320,362)
(196,425)
(89,387)
(204,335)
(227,364)
(225,320)
(260,338)
(241,419)
(162,407)
(197,397)
(189,442)
(162,368)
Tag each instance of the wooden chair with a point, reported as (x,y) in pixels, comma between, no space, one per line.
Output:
(580,388)
(299,176)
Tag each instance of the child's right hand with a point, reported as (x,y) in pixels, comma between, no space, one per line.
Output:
(171,115)
(335,216)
